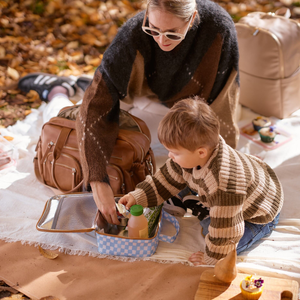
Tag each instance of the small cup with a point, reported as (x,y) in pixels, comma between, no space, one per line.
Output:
(267,134)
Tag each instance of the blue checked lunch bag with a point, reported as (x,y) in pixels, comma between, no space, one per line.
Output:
(78,213)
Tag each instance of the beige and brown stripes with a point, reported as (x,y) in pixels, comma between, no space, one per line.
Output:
(236,187)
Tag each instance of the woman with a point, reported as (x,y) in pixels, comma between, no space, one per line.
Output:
(173,50)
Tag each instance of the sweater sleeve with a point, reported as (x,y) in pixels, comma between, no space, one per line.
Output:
(97,122)
(227,225)
(154,190)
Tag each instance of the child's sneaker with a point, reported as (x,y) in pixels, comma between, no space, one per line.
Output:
(43,83)
(193,203)
(175,207)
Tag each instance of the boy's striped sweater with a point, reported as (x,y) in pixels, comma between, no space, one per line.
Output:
(235,186)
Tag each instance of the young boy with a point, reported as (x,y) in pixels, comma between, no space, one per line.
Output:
(243,194)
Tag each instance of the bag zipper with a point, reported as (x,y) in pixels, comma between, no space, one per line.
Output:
(149,165)
(256,31)
(71,148)
(116,178)
(120,158)
(73,170)
(50,145)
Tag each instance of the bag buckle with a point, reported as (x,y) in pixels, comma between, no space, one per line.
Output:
(149,166)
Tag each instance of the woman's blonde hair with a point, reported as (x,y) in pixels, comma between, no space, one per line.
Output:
(180,8)
(190,124)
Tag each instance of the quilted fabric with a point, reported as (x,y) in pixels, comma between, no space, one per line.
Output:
(123,246)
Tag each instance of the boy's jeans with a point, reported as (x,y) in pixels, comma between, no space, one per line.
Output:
(252,234)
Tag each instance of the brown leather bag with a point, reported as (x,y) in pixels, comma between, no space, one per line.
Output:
(57,161)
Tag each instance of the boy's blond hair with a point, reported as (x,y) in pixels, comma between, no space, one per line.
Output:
(190,124)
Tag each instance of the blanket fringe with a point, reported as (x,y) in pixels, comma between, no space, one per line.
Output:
(68,251)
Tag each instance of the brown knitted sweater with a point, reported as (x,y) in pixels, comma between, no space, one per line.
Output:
(205,63)
(236,187)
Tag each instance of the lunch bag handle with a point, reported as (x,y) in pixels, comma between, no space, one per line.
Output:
(173,220)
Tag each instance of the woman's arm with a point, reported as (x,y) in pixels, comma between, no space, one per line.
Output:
(98,120)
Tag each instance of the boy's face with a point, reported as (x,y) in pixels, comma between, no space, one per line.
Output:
(187,159)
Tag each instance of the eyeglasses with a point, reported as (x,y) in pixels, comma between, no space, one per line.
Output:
(170,35)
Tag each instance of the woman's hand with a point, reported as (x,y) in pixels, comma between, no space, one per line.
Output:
(127,200)
(105,201)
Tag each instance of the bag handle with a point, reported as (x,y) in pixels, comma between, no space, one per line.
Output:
(56,184)
(173,220)
(283,12)
(60,142)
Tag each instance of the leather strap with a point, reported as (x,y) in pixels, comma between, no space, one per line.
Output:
(38,163)
(37,170)
(60,142)
(58,187)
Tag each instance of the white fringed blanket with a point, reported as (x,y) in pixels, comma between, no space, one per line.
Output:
(22,199)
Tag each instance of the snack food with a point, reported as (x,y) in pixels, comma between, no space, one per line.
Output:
(260,122)
(252,288)
(267,134)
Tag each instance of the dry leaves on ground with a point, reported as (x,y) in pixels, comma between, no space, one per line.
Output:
(57,37)
(47,253)
(9,293)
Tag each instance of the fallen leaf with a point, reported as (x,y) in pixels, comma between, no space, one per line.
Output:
(3,103)
(18,296)
(47,253)
(72,45)
(13,92)
(76,56)
(49,298)
(9,289)
(2,52)
(88,39)
(112,32)
(9,138)
(13,73)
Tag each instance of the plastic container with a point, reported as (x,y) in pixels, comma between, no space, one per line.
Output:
(8,154)
(137,224)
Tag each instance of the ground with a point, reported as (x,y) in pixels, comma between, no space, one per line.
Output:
(69,37)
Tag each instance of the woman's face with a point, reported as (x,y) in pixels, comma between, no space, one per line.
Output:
(165,21)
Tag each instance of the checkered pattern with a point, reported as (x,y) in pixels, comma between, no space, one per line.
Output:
(114,245)
(173,220)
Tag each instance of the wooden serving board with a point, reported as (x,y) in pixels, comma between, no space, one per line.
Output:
(275,289)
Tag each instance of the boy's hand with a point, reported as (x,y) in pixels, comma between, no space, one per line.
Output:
(127,200)
(197,258)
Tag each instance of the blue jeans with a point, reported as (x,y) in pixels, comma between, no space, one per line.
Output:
(252,234)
